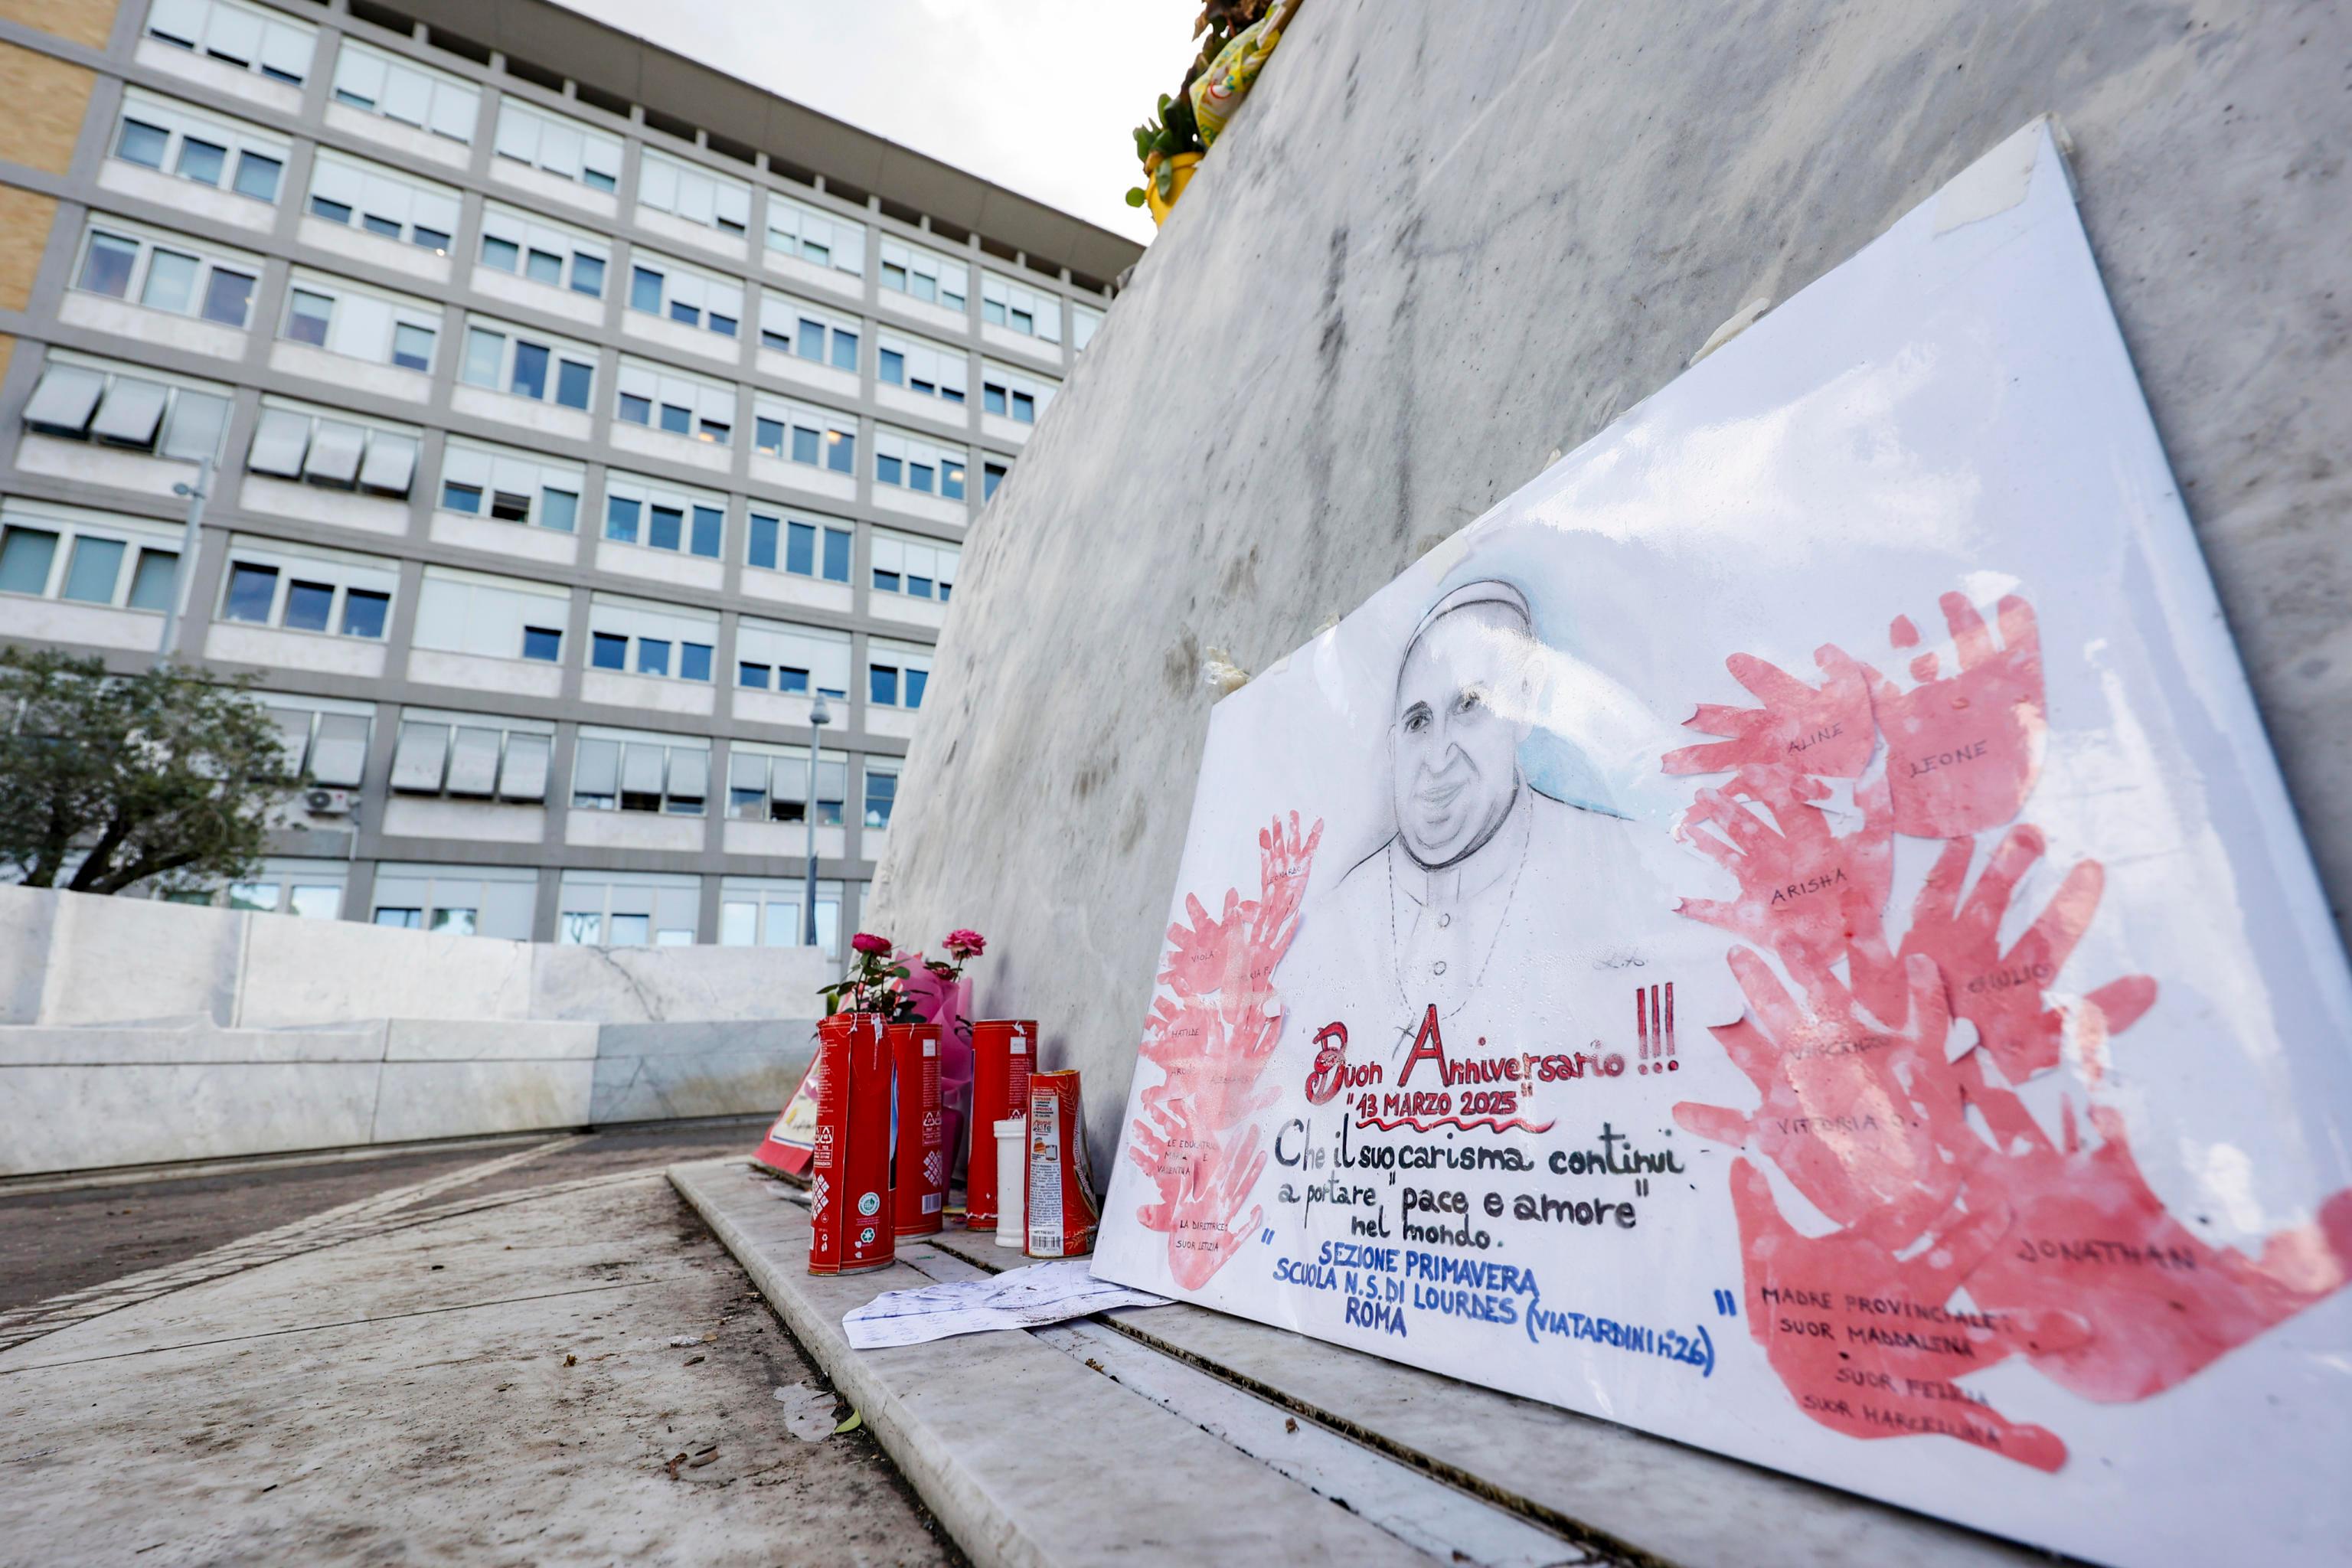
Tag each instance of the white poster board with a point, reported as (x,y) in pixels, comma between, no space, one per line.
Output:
(1787,934)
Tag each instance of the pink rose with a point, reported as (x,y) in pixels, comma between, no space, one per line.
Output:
(868,944)
(964,944)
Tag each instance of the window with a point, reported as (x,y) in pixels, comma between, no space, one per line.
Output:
(1029,312)
(916,568)
(308,889)
(620,908)
(992,474)
(459,900)
(245,37)
(896,673)
(766,911)
(166,272)
(89,399)
(805,233)
(328,591)
(172,138)
(489,616)
(671,400)
(343,318)
(312,446)
(799,545)
(558,145)
(499,482)
(542,252)
(1015,395)
(1084,320)
(807,332)
(528,364)
(663,516)
(778,656)
(925,275)
(699,195)
(909,462)
(672,289)
(881,794)
(770,783)
(621,770)
(921,366)
(400,90)
(383,201)
(645,638)
(324,741)
(472,757)
(87,557)
(798,432)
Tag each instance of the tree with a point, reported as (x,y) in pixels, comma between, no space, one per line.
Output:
(154,776)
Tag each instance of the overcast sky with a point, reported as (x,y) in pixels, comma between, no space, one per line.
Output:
(1036,95)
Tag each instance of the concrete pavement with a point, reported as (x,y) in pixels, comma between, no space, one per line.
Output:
(459,1356)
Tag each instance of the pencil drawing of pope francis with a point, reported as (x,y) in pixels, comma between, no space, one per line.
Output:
(1524,920)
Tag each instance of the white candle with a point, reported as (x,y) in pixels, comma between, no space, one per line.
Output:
(1013,1182)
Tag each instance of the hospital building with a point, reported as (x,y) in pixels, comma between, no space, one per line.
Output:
(578,414)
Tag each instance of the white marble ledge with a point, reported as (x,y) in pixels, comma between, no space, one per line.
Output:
(193,1045)
(497,1040)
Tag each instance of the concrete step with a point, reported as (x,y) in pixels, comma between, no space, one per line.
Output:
(1176,1435)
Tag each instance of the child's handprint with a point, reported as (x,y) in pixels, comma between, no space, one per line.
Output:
(2004,994)
(1798,728)
(1963,749)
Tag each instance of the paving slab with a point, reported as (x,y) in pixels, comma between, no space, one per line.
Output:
(1647,1494)
(500,1386)
(1441,1470)
(1029,1456)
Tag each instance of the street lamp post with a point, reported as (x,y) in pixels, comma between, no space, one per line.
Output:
(819,717)
(187,562)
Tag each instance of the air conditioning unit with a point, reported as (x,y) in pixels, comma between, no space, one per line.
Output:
(328,802)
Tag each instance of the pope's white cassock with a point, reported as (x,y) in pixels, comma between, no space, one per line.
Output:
(1527,923)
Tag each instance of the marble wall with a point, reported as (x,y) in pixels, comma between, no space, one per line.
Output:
(1440,244)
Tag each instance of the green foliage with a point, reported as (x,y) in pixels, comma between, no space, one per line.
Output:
(871,987)
(1171,130)
(151,776)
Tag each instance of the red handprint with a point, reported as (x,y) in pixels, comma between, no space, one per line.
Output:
(1867,1341)
(1963,750)
(1806,893)
(1859,1118)
(1211,1033)
(2089,1234)
(1799,729)
(2003,993)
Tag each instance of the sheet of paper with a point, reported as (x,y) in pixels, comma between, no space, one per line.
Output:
(1018,1299)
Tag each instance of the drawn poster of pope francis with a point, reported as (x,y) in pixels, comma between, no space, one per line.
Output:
(1526,920)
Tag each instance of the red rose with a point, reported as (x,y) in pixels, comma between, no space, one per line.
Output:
(868,944)
(966,943)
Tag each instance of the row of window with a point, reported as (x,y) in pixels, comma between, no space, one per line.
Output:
(470,756)
(617,908)
(131,263)
(91,399)
(297,443)
(166,272)
(66,555)
(446,108)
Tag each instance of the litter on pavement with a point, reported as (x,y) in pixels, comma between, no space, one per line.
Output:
(1018,1299)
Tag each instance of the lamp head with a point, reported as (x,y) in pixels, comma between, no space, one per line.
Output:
(819,714)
